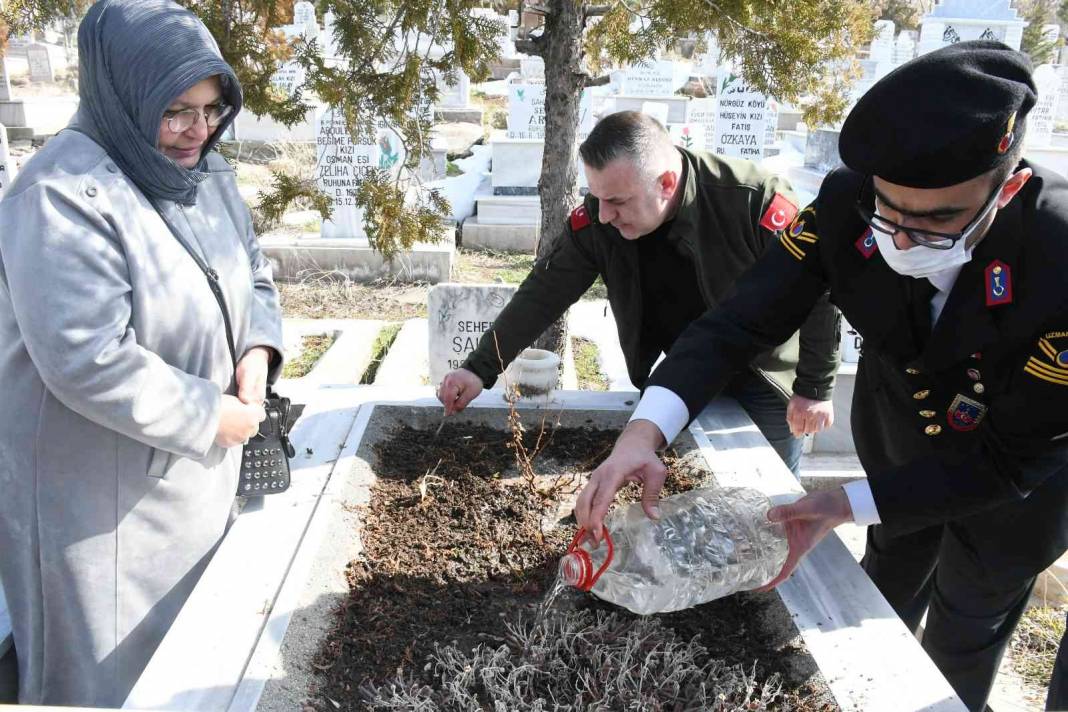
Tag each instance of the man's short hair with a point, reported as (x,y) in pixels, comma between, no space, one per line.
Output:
(632,135)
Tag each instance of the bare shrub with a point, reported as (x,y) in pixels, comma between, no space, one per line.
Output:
(578,660)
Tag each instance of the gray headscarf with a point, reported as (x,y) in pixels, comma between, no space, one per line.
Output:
(135,58)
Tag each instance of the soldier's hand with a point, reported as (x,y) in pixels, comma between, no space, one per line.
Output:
(807,521)
(457,389)
(633,459)
(806,416)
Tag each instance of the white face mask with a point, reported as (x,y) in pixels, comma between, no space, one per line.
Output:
(920,261)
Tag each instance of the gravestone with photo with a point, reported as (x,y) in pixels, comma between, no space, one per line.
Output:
(39,59)
(457,316)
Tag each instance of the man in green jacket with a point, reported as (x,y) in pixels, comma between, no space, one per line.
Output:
(669,231)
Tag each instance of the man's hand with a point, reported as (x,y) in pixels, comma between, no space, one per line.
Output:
(633,459)
(457,389)
(806,416)
(806,522)
(252,375)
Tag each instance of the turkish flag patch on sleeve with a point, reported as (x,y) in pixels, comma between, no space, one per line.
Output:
(779,213)
(580,218)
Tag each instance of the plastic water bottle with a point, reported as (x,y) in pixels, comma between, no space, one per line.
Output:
(708,543)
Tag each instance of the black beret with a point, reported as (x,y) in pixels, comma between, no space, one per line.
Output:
(941,119)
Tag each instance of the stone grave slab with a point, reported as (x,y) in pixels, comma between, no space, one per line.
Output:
(457,316)
(39,59)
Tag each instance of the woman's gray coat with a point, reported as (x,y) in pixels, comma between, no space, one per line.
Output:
(113,358)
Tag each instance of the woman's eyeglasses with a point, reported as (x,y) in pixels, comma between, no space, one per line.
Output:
(180,121)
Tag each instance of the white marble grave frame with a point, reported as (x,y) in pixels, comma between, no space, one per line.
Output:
(224,646)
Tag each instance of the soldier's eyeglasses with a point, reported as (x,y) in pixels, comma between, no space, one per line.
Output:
(926,238)
(180,121)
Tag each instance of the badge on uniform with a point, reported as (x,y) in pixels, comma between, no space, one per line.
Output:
(998,280)
(779,213)
(964,413)
(867,244)
(580,218)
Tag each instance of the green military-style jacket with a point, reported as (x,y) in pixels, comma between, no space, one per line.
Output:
(729,214)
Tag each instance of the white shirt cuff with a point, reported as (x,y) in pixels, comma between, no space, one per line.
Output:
(862,503)
(664,409)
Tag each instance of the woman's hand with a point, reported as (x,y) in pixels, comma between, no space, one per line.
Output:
(238,422)
(252,375)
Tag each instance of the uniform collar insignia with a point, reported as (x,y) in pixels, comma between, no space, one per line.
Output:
(866,244)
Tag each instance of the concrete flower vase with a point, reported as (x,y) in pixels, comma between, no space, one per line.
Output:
(533,375)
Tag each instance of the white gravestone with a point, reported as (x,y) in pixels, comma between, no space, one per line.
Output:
(7,166)
(953,21)
(40,62)
(288,78)
(702,113)
(454,96)
(304,15)
(740,118)
(657,110)
(532,67)
(654,78)
(5,81)
(1062,102)
(327,37)
(1042,117)
(526,112)
(882,44)
(904,48)
(342,165)
(852,343)
(458,316)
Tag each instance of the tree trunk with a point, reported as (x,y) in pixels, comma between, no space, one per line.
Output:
(561,48)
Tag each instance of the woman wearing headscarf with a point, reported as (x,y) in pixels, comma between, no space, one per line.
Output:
(119,425)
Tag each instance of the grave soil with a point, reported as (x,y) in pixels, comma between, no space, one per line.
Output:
(456,542)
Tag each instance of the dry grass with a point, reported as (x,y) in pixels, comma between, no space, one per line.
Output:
(579,660)
(326,298)
(1034,645)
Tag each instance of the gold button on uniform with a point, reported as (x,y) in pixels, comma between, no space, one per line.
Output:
(920,395)
(911,371)
(979,388)
(933,429)
(927,413)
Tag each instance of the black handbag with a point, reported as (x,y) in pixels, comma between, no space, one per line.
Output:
(265,457)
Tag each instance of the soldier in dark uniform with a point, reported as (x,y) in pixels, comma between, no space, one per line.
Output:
(948,254)
(669,231)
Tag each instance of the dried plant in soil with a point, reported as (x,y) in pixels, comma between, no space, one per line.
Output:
(579,660)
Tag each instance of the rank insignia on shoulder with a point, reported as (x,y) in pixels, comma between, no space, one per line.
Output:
(964,413)
(799,233)
(580,218)
(866,243)
(998,281)
(1051,363)
(779,213)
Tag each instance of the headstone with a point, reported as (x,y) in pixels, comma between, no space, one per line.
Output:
(40,62)
(702,114)
(821,150)
(526,112)
(456,95)
(304,15)
(654,78)
(328,34)
(288,78)
(1044,114)
(532,67)
(904,48)
(1062,102)
(5,81)
(953,21)
(771,122)
(882,44)
(656,110)
(343,162)
(740,118)
(458,315)
(7,166)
